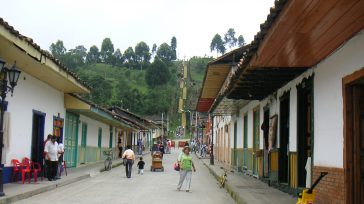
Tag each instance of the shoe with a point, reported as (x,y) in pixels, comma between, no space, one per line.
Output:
(188,191)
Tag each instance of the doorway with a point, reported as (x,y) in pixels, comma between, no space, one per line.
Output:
(354,137)
(305,132)
(37,148)
(265,128)
(283,168)
(71,139)
(235,144)
(256,139)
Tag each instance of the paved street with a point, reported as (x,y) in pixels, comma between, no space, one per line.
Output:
(152,187)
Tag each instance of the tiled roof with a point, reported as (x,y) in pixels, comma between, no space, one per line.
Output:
(43,52)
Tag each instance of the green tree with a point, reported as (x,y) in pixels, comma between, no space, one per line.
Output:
(241,40)
(93,55)
(174,47)
(217,44)
(107,50)
(157,101)
(158,73)
(229,38)
(78,55)
(142,53)
(118,58)
(101,90)
(130,57)
(154,49)
(57,49)
(165,52)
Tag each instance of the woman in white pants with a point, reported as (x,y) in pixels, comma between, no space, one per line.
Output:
(186,166)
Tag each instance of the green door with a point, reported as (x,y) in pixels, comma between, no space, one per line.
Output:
(256,138)
(71,139)
(235,144)
(99,140)
(83,144)
(245,141)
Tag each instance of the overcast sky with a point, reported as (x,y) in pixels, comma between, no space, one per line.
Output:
(88,22)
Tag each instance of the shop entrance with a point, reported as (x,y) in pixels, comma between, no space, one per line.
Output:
(38,137)
(354,138)
(256,140)
(283,168)
(305,132)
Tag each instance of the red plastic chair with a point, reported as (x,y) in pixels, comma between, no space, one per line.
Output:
(22,168)
(35,167)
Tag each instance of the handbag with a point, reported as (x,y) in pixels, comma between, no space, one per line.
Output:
(176,166)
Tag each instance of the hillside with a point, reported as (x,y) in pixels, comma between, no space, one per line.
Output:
(127,88)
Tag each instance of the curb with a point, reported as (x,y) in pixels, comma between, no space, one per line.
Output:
(44,189)
(234,195)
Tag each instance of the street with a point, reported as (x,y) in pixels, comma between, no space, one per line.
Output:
(152,187)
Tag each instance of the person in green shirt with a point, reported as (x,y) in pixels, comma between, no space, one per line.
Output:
(186,166)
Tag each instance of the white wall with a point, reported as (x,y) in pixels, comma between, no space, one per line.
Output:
(240,131)
(30,94)
(328,100)
(93,132)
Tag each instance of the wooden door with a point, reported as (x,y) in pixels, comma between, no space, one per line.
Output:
(71,139)
(283,168)
(256,139)
(358,131)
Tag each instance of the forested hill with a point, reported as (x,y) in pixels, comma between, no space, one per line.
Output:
(128,88)
(140,79)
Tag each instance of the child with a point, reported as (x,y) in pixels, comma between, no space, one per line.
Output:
(140,165)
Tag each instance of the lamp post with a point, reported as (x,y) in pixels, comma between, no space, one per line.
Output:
(13,76)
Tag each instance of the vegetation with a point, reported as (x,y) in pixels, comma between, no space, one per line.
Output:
(125,79)
(219,45)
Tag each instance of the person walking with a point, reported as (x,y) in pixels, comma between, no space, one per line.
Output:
(140,165)
(186,166)
(51,150)
(130,157)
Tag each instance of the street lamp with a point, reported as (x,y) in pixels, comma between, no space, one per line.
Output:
(13,76)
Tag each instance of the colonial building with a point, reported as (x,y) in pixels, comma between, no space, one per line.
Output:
(36,108)
(301,81)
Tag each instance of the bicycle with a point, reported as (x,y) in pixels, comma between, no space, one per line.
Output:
(308,195)
(108,161)
(222,179)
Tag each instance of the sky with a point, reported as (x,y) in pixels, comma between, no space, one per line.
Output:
(87,22)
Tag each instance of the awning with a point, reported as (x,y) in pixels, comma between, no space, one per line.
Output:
(215,76)
(297,35)
(77,105)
